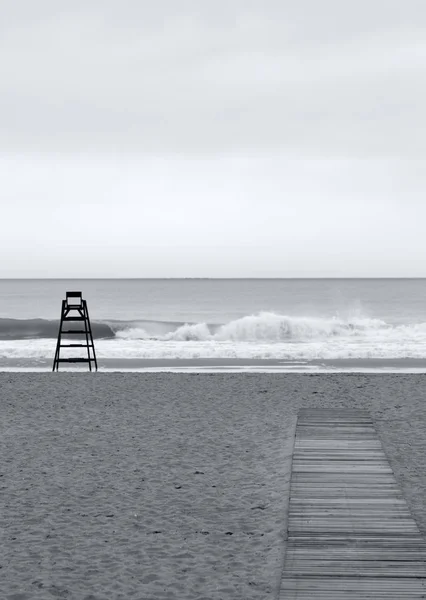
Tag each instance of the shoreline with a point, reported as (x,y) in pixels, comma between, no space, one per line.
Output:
(226,365)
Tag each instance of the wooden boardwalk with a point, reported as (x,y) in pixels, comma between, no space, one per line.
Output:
(350,532)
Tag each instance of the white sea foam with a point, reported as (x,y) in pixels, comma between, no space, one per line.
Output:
(265,326)
(338,349)
(261,336)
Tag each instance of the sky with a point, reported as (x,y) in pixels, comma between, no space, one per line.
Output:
(212,138)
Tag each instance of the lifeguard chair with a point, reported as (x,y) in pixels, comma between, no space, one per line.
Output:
(74,310)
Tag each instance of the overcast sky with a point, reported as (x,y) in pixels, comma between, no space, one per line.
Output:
(209,138)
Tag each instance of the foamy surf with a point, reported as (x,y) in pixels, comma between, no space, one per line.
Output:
(265,335)
(264,326)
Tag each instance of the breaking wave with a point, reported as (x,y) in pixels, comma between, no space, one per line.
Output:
(261,328)
(271,327)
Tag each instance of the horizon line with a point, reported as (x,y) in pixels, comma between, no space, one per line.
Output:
(207,278)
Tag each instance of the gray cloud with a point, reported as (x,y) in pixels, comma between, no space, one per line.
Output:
(327,78)
(212,138)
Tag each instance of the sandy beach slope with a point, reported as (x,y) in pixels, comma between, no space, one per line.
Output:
(171,486)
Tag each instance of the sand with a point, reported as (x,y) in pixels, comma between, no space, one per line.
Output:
(155,486)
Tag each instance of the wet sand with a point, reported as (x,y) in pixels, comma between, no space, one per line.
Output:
(361,365)
(152,486)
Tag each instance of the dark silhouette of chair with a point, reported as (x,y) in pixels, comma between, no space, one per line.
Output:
(74,310)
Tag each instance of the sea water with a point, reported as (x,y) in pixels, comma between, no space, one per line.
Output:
(253,319)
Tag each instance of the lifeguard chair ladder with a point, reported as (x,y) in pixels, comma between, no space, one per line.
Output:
(74,309)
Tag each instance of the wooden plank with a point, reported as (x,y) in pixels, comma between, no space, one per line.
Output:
(350,531)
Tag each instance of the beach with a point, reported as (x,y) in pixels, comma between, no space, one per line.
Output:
(171,486)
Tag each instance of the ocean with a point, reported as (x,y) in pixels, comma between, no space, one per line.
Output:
(290,322)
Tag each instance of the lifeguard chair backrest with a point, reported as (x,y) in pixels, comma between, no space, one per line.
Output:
(74,299)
